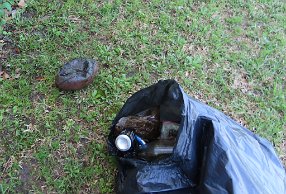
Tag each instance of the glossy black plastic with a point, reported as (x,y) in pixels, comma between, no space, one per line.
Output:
(213,153)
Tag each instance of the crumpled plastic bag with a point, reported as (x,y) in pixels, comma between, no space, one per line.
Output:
(213,153)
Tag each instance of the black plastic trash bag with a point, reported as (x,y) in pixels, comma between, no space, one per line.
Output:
(213,153)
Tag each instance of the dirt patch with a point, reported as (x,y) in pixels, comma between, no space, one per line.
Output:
(29,176)
(29,14)
(88,189)
(7,48)
(36,98)
(25,178)
(8,164)
(194,50)
(240,81)
(282,148)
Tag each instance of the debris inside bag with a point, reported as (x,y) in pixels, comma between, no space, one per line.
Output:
(145,124)
(134,131)
(169,130)
(204,151)
(157,150)
(124,141)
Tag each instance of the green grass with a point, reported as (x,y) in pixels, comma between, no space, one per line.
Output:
(230,55)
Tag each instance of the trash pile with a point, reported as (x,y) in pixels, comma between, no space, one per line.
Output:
(167,142)
(144,136)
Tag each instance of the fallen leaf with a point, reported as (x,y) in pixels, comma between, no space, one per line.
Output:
(17,75)
(17,70)
(240,81)
(9,163)
(21,3)
(5,75)
(8,18)
(40,78)
(74,19)
(30,128)
(16,50)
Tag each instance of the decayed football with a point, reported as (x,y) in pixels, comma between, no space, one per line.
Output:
(76,74)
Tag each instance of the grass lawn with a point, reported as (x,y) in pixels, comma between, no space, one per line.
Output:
(229,55)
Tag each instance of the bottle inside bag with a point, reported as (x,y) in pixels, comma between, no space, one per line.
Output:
(145,136)
(157,149)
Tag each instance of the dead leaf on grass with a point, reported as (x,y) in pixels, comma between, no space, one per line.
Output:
(21,3)
(17,73)
(17,76)
(40,78)
(282,148)
(4,75)
(9,163)
(240,81)
(74,19)
(30,128)
(16,50)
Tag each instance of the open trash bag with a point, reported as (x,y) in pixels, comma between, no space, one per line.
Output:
(212,154)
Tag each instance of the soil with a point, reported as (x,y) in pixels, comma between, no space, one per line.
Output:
(8,47)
